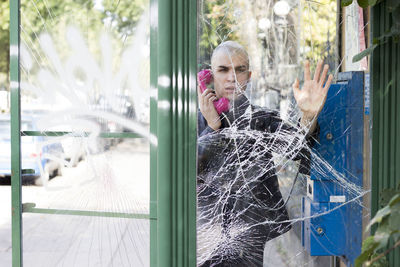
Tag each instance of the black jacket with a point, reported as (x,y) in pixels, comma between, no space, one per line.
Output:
(237,182)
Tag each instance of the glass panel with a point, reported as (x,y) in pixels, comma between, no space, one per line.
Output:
(85,75)
(85,241)
(5,162)
(5,192)
(257,131)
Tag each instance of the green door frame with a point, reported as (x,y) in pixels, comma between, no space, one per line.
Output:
(385,98)
(173,111)
(16,203)
(176,48)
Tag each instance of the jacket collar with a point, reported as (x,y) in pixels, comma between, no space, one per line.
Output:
(236,110)
(239,105)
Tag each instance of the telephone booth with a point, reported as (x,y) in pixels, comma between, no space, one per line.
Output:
(104,112)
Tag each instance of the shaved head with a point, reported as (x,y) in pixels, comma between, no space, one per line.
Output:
(230,48)
(230,69)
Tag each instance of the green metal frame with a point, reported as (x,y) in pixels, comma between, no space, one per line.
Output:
(176,131)
(16,205)
(84,134)
(30,207)
(153,130)
(385,69)
(173,120)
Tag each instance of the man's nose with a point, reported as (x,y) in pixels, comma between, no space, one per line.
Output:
(231,76)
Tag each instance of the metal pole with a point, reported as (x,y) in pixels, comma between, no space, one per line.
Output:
(176,133)
(164,134)
(16,206)
(153,131)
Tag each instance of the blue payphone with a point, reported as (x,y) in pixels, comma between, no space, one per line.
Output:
(332,212)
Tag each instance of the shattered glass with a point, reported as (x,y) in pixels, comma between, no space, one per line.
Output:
(85,86)
(85,71)
(258,173)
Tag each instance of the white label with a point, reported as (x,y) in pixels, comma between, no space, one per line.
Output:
(337,199)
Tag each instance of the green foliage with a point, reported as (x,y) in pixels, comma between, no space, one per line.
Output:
(393,7)
(361,3)
(4,41)
(346,2)
(320,21)
(364,53)
(39,16)
(387,220)
(125,14)
(366,3)
(217,25)
(53,16)
(368,248)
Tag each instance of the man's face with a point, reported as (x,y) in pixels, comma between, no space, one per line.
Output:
(231,74)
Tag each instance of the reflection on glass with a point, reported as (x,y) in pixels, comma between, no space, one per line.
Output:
(254,156)
(85,87)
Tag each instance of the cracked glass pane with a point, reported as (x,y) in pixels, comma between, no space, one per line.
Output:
(85,79)
(277,184)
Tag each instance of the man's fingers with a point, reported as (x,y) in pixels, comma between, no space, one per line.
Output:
(307,74)
(200,99)
(206,92)
(296,87)
(208,96)
(323,76)
(325,90)
(201,96)
(198,91)
(318,70)
(328,83)
(212,99)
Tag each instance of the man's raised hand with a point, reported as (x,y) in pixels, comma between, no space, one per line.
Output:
(311,98)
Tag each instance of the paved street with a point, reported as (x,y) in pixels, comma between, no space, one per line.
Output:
(113,181)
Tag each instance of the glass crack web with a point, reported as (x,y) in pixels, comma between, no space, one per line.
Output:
(85,71)
(254,171)
(77,75)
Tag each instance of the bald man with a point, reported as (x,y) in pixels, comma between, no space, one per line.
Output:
(240,206)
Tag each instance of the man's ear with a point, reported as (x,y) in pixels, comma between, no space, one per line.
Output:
(249,74)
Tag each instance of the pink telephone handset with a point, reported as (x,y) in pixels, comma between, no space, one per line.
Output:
(204,77)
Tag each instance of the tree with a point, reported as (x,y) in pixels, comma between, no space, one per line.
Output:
(319,29)
(217,25)
(55,16)
(4,43)
(124,14)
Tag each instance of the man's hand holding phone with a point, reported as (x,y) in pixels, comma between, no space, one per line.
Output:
(207,108)
(210,105)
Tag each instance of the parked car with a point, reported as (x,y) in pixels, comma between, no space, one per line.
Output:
(40,157)
(74,149)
